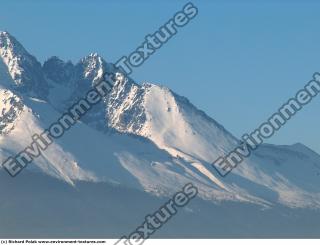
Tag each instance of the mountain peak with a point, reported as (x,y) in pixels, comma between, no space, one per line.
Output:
(4,35)
(23,68)
(92,57)
(93,66)
(58,71)
(7,41)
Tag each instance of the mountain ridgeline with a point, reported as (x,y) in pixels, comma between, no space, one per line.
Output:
(141,136)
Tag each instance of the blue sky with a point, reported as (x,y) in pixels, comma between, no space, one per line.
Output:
(239,61)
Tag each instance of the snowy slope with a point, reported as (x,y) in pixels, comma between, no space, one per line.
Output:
(85,154)
(54,161)
(169,120)
(275,173)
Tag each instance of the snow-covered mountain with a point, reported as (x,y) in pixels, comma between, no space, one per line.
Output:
(142,136)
